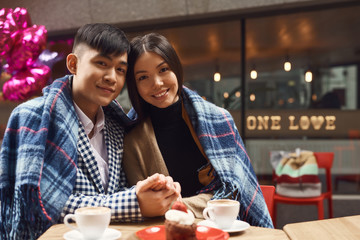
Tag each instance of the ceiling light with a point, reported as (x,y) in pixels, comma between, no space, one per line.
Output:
(217,77)
(287,64)
(308,76)
(253,73)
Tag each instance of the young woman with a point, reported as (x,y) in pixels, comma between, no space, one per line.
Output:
(181,135)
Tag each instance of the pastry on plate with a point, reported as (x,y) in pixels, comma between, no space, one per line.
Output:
(179,223)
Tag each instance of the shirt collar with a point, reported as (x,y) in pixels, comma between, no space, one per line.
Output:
(87,123)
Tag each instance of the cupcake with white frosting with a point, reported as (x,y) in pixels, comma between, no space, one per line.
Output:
(179,223)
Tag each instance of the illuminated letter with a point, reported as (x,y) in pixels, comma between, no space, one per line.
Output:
(317,121)
(263,122)
(304,122)
(251,122)
(292,126)
(330,122)
(275,122)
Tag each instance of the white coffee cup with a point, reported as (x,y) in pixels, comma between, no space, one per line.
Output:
(91,221)
(223,212)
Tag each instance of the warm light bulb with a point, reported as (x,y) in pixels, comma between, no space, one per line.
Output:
(226,94)
(252,97)
(217,77)
(287,66)
(237,94)
(253,74)
(308,76)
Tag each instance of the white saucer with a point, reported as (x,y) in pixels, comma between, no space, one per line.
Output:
(109,234)
(237,226)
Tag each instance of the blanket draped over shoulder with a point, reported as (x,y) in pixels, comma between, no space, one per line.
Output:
(224,148)
(38,153)
(38,161)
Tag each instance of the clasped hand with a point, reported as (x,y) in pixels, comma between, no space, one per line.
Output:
(156,193)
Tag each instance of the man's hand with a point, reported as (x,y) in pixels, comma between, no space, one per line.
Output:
(156,193)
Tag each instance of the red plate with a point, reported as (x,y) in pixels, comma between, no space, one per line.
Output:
(202,233)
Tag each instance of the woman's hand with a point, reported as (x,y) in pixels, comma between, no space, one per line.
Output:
(156,193)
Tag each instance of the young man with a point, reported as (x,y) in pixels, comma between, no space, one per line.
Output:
(63,150)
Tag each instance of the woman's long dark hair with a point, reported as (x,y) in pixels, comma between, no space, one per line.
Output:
(158,44)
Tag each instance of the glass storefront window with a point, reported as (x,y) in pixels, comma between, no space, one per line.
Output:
(337,88)
(333,87)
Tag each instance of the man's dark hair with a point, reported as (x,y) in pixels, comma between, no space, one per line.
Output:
(105,38)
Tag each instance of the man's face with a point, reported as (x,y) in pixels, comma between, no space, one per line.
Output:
(98,79)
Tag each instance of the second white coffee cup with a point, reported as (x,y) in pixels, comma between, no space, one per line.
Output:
(223,212)
(91,221)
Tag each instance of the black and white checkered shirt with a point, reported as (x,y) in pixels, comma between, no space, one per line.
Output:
(88,189)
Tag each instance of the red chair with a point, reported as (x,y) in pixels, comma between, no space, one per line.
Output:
(268,192)
(324,160)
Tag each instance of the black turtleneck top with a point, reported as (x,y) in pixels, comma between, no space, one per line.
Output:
(178,148)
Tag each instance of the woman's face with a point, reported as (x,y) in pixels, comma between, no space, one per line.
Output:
(156,82)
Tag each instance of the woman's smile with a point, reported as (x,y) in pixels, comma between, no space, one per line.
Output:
(161,94)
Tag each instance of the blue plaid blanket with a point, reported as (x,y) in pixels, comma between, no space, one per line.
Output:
(224,148)
(38,161)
